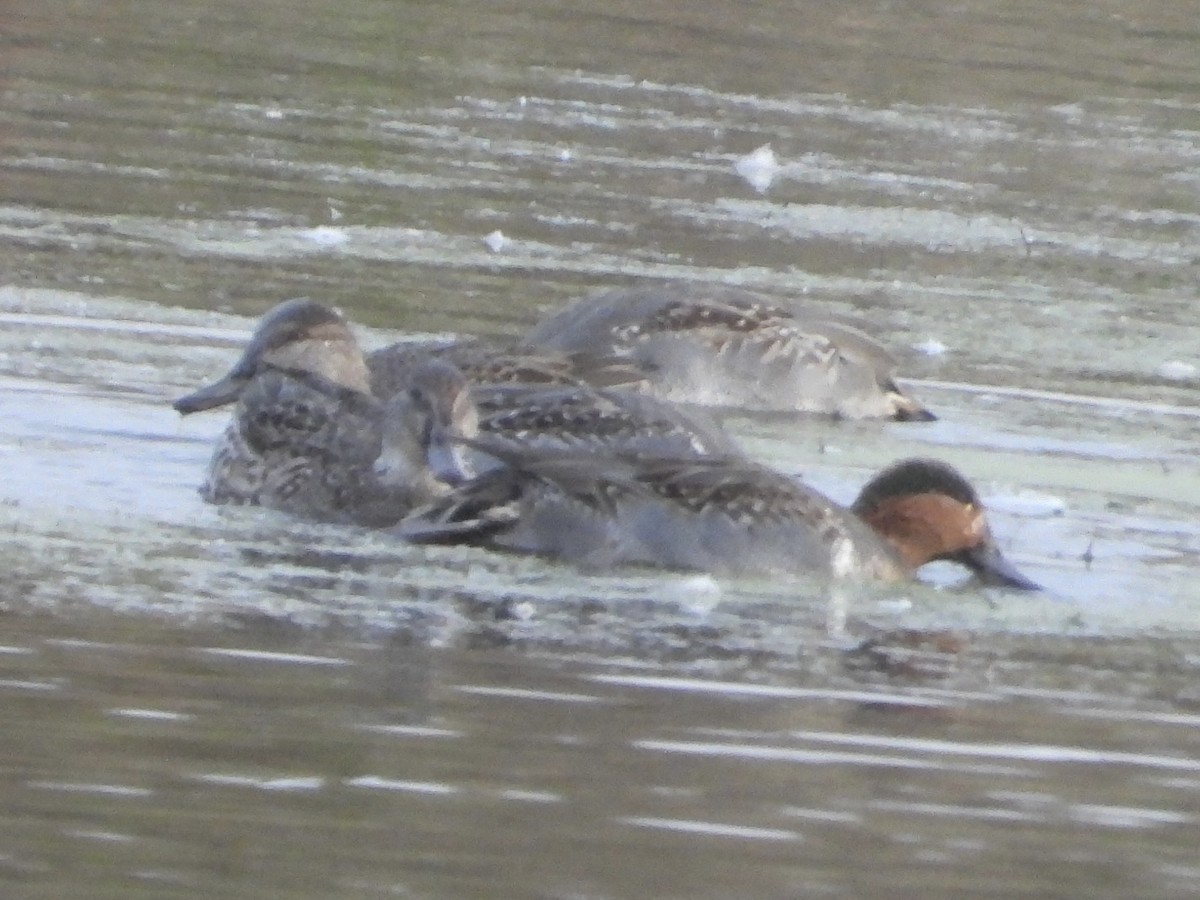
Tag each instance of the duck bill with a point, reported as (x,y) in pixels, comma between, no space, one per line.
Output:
(447,459)
(225,390)
(219,393)
(991,567)
(912,411)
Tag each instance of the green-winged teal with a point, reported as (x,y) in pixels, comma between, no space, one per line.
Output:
(717,514)
(485,362)
(724,346)
(600,420)
(307,433)
(556,400)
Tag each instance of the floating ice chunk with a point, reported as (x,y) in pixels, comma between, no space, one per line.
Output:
(565,155)
(696,595)
(1027,503)
(496,241)
(522,610)
(1177,370)
(325,236)
(930,347)
(759,167)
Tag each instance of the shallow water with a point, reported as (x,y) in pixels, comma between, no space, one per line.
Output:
(175,761)
(225,702)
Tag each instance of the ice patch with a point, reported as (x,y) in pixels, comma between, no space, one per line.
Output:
(697,595)
(759,167)
(325,236)
(495,241)
(930,347)
(1176,370)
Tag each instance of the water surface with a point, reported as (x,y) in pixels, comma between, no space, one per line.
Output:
(226,702)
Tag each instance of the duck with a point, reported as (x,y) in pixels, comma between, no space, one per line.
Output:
(724,515)
(725,346)
(308,436)
(495,363)
(552,400)
(594,420)
(317,435)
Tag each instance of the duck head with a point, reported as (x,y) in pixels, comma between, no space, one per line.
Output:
(928,511)
(904,407)
(300,336)
(424,428)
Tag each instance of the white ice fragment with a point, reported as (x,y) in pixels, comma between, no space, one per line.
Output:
(696,595)
(325,236)
(759,167)
(565,155)
(496,241)
(930,347)
(1177,370)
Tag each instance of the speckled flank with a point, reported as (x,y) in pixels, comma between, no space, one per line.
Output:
(724,346)
(718,514)
(306,433)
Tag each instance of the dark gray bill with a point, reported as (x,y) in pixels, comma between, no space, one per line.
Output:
(227,390)
(447,459)
(991,566)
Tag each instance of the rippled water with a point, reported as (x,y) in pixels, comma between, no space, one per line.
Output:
(225,702)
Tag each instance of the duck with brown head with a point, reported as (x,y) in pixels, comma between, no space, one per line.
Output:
(927,511)
(724,515)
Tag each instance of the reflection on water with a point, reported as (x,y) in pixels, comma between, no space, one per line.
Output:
(309,765)
(225,702)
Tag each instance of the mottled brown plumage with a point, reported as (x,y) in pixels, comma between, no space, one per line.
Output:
(725,346)
(306,432)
